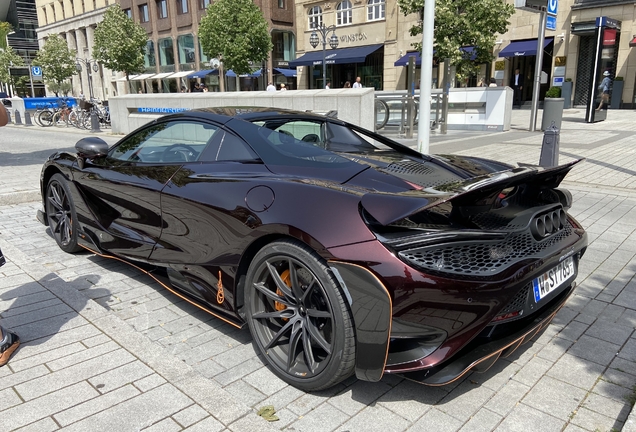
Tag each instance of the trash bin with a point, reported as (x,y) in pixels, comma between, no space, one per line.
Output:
(552,112)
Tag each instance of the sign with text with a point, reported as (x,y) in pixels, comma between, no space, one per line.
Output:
(550,22)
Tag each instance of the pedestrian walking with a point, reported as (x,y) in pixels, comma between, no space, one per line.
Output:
(347,84)
(516,82)
(9,342)
(357,84)
(604,87)
(493,83)
(282,87)
(328,86)
(271,87)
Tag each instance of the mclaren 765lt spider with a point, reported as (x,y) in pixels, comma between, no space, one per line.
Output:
(343,251)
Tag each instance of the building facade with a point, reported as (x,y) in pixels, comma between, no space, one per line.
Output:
(372,36)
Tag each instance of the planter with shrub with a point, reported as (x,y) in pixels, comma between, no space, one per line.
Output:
(552,108)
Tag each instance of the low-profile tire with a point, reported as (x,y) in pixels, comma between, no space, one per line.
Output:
(294,304)
(60,212)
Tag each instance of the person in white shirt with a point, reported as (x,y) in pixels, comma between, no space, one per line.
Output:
(282,87)
(328,86)
(357,84)
(271,87)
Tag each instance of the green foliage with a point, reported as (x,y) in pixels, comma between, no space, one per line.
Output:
(9,58)
(64,87)
(5,29)
(618,78)
(120,43)
(236,32)
(568,80)
(57,62)
(461,23)
(553,92)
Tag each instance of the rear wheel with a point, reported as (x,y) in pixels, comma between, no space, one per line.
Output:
(60,212)
(298,317)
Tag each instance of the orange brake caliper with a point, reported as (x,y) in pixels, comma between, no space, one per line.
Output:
(278,305)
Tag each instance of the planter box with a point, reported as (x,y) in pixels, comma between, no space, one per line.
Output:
(566,94)
(617,94)
(552,112)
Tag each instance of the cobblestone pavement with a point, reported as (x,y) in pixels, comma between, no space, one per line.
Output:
(107,348)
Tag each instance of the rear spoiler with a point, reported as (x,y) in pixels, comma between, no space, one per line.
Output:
(388,208)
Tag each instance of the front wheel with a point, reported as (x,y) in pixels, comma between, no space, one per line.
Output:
(60,212)
(298,316)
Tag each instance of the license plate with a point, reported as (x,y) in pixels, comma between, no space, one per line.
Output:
(553,279)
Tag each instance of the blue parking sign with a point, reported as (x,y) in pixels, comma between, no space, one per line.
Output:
(36,71)
(550,22)
(553,6)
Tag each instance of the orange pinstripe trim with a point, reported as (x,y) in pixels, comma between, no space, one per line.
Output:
(163,285)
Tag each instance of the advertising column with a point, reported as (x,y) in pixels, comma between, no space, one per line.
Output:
(606,35)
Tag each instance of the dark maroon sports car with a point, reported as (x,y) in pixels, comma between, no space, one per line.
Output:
(342,250)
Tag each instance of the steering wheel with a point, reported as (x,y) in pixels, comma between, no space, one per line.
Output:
(190,153)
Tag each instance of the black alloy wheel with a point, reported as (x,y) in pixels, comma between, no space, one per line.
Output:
(60,213)
(298,316)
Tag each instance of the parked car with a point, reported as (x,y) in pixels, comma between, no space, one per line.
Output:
(342,250)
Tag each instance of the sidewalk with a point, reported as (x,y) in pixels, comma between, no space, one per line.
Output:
(106,348)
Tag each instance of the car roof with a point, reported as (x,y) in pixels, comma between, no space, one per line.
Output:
(251,113)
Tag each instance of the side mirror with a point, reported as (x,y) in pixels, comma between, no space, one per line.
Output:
(91,147)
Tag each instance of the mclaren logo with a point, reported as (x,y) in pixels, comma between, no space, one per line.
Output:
(220,294)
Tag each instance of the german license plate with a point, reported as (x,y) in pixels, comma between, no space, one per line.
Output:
(553,279)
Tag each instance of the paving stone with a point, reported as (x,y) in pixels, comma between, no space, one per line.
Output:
(376,418)
(138,412)
(617,377)
(576,371)
(8,398)
(165,425)
(48,327)
(310,401)
(283,398)
(209,424)
(245,393)
(524,418)
(190,415)
(594,421)
(90,407)
(19,363)
(573,331)
(555,398)
(463,402)
(47,424)
(11,380)
(14,310)
(608,407)
(498,375)
(96,340)
(628,351)
(355,397)
(254,423)
(238,372)
(533,371)
(483,420)
(612,391)
(436,420)
(82,356)
(411,400)
(554,349)
(120,376)
(57,380)
(235,356)
(507,397)
(149,382)
(44,406)
(323,418)
(209,368)
(265,381)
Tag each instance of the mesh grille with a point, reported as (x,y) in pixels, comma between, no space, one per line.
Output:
(483,258)
(493,221)
(584,70)
(518,302)
(422,174)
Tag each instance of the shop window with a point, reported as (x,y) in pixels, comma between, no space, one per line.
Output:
(284,46)
(150,61)
(162,9)
(315,17)
(143,13)
(128,13)
(344,13)
(185,45)
(166,52)
(182,7)
(375,10)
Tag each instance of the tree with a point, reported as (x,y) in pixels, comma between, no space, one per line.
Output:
(5,29)
(9,58)
(120,43)
(57,62)
(236,32)
(462,23)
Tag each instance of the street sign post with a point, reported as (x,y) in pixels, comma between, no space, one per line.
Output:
(550,22)
(553,6)
(36,73)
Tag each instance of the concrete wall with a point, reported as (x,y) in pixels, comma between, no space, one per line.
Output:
(353,105)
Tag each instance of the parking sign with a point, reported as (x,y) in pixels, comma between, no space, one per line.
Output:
(36,72)
(553,6)
(550,22)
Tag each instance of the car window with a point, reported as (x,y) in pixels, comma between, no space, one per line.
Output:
(228,147)
(169,142)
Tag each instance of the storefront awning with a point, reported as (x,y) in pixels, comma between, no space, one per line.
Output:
(404,60)
(230,73)
(286,72)
(200,74)
(162,75)
(180,74)
(124,77)
(336,56)
(632,43)
(142,77)
(523,48)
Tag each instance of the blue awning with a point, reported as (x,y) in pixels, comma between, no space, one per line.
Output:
(336,56)
(404,60)
(286,72)
(523,48)
(200,74)
(230,73)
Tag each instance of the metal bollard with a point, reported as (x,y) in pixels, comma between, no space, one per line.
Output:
(18,120)
(95,123)
(550,147)
(9,116)
(27,119)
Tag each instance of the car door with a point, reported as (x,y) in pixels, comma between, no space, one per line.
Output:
(123,190)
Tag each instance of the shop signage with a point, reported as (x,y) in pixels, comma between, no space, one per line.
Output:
(282,63)
(354,37)
(154,110)
(609,37)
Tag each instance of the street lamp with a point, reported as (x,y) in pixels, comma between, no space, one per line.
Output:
(90,64)
(314,40)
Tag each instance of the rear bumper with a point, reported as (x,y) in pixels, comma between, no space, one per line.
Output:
(481,357)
